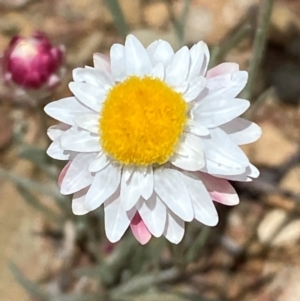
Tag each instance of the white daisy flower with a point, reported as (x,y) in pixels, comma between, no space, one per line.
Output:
(153,136)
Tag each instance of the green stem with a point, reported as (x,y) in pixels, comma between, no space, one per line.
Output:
(30,287)
(220,51)
(111,267)
(140,283)
(179,24)
(119,19)
(197,245)
(259,45)
(178,256)
(258,103)
(182,20)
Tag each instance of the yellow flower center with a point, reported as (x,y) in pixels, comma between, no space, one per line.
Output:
(141,121)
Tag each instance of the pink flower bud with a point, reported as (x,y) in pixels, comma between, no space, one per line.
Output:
(33,63)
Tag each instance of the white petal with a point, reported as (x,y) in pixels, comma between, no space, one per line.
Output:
(137,61)
(220,170)
(204,209)
(195,128)
(78,207)
(99,163)
(190,162)
(131,189)
(195,87)
(216,112)
(56,152)
(105,183)
(182,87)
(55,131)
(82,75)
(242,131)
(188,142)
(178,69)
(193,142)
(174,230)
(94,77)
(254,172)
(158,71)
(196,53)
(79,140)
(89,122)
(127,172)
(199,60)
(101,62)
(117,61)
(190,154)
(160,52)
(154,214)
(66,110)
(77,176)
(147,183)
(116,219)
(242,177)
(172,191)
(89,95)
(205,61)
(77,77)
(226,86)
(220,149)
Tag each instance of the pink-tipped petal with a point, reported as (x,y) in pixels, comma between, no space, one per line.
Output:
(221,69)
(220,190)
(101,62)
(139,230)
(63,173)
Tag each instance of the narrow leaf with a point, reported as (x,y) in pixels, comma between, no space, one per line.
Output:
(36,204)
(31,288)
(119,19)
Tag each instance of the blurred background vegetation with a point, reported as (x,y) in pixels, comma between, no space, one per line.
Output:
(48,254)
